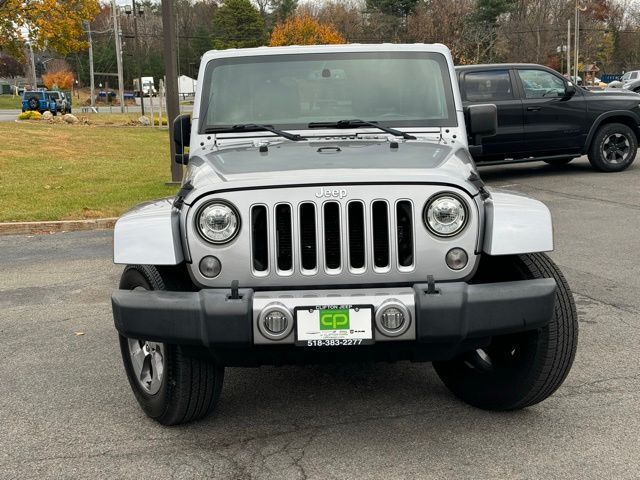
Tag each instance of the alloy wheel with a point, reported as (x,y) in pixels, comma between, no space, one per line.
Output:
(616,148)
(147,360)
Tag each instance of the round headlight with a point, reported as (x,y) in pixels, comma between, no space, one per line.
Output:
(218,222)
(445,215)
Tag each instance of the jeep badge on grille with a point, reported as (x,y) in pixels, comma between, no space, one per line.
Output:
(331,193)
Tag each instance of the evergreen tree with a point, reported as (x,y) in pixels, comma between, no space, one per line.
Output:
(396,8)
(238,24)
(281,10)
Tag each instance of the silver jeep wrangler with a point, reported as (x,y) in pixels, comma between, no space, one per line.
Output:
(331,211)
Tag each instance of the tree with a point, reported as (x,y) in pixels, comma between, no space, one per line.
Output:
(10,67)
(482,27)
(238,24)
(52,24)
(397,8)
(60,80)
(304,30)
(283,9)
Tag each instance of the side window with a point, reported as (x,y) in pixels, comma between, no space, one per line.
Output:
(541,84)
(634,75)
(488,86)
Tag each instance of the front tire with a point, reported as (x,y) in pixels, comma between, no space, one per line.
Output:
(171,386)
(519,370)
(613,148)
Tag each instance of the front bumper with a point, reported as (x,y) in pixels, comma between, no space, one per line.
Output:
(455,314)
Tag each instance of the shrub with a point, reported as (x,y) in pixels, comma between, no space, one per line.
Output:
(30,115)
(304,30)
(58,80)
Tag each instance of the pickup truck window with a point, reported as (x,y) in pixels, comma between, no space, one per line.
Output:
(634,75)
(290,91)
(488,86)
(541,84)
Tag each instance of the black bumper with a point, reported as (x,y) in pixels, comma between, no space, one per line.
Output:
(457,313)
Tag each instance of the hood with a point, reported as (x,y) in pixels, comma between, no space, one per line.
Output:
(611,93)
(331,162)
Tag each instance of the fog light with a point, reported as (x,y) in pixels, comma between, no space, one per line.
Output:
(210,267)
(456,259)
(392,318)
(275,321)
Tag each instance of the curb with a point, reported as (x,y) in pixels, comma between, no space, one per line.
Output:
(26,228)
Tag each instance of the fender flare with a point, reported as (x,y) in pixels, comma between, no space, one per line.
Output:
(149,234)
(598,121)
(515,224)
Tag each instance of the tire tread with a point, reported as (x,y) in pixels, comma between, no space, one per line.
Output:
(193,384)
(551,354)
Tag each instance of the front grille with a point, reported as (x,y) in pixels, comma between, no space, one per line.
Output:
(333,237)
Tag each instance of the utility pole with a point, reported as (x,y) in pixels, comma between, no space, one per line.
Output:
(116,31)
(137,51)
(575,47)
(91,73)
(569,49)
(171,86)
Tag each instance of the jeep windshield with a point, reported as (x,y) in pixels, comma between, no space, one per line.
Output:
(291,91)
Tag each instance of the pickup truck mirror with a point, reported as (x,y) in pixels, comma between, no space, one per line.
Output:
(482,120)
(181,136)
(570,90)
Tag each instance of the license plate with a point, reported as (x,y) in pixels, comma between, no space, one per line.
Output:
(334,325)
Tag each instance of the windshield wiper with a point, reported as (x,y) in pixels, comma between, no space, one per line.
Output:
(254,127)
(355,123)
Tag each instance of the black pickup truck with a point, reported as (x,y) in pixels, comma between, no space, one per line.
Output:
(542,116)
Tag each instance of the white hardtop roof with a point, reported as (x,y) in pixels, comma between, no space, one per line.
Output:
(350,47)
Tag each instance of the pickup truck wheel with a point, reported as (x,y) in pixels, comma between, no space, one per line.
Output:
(519,370)
(559,161)
(613,148)
(171,386)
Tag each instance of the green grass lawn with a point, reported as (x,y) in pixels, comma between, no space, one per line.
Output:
(61,172)
(8,102)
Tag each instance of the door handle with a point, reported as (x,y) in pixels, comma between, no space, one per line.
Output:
(534,109)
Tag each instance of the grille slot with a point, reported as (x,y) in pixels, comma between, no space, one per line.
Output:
(356,235)
(332,235)
(284,238)
(308,240)
(404,233)
(380,224)
(260,238)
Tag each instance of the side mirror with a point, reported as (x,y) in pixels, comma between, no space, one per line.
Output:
(181,136)
(570,90)
(482,119)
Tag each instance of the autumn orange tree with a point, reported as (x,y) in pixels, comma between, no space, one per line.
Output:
(52,24)
(61,80)
(304,30)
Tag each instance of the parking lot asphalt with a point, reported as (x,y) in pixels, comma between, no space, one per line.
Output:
(66,410)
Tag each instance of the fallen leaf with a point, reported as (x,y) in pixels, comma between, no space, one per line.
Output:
(79,334)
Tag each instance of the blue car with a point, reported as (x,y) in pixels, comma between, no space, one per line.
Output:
(39,100)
